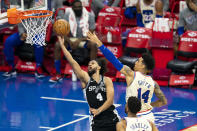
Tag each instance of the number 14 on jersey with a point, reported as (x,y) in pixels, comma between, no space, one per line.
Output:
(144,95)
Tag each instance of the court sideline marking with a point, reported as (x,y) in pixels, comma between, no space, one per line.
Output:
(63,125)
(70,100)
(66,124)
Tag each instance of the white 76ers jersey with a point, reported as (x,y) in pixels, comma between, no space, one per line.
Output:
(142,87)
(137,124)
(148,11)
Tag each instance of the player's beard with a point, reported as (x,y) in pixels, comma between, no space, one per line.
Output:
(92,71)
(78,13)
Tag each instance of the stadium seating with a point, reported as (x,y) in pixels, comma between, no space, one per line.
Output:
(185,65)
(162,48)
(137,43)
(108,29)
(5,33)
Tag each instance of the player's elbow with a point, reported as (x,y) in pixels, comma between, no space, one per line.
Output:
(164,102)
(110,102)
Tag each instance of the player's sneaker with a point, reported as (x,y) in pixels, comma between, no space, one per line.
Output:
(56,78)
(10,73)
(39,73)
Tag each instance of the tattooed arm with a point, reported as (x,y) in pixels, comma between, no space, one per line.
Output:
(161,97)
(128,73)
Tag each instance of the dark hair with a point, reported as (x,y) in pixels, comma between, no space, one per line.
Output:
(66,3)
(75,2)
(103,64)
(134,104)
(148,60)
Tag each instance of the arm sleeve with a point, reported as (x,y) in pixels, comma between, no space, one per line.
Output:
(139,20)
(109,55)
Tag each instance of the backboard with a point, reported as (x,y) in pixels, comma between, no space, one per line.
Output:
(20,5)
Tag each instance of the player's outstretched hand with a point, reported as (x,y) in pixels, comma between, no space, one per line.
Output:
(93,38)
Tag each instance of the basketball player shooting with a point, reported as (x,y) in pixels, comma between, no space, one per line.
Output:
(139,84)
(98,90)
(132,122)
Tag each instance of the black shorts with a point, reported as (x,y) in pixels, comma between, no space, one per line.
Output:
(110,128)
(105,122)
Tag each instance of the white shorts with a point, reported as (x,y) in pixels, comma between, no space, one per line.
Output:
(148,115)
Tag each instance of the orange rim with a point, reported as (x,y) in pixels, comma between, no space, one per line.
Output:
(23,14)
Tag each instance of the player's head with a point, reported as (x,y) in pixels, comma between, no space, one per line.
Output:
(146,62)
(133,105)
(98,65)
(77,7)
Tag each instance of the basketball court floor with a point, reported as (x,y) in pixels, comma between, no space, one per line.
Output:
(30,104)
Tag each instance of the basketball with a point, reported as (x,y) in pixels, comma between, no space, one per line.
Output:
(61,27)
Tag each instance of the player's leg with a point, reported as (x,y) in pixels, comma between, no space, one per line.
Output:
(57,63)
(106,122)
(110,128)
(10,43)
(39,54)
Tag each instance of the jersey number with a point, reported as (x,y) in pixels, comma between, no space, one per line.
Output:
(144,95)
(147,15)
(99,97)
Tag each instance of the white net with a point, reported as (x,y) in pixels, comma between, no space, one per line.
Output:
(36,27)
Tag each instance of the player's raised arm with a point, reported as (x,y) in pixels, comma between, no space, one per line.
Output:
(127,71)
(82,75)
(161,97)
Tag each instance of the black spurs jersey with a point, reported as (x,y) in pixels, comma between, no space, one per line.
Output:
(96,94)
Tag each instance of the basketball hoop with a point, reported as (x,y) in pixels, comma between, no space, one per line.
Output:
(35,23)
